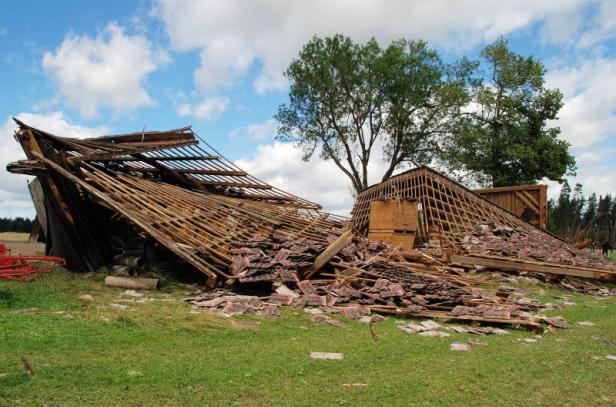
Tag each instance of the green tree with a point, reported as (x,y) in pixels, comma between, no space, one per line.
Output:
(344,97)
(506,138)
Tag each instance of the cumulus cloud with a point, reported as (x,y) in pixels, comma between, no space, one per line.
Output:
(209,109)
(588,122)
(602,26)
(231,35)
(258,131)
(589,113)
(14,195)
(106,71)
(281,165)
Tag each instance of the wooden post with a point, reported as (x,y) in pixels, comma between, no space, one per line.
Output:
(329,252)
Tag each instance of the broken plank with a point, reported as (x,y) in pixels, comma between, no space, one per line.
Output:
(524,323)
(329,252)
(543,268)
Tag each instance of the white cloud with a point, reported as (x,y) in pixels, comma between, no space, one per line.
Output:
(209,109)
(259,131)
(581,27)
(319,181)
(281,165)
(14,195)
(233,34)
(589,113)
(106,71)
(602,26)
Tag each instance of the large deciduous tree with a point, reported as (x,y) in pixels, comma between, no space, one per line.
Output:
(346,98)
(506,138)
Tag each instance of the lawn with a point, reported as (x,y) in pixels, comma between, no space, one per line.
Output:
(159,353)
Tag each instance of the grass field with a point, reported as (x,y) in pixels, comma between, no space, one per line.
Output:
(159,353)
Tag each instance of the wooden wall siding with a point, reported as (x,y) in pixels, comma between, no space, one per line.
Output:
(446,208)
(393,222)
(393,215)
(522,200)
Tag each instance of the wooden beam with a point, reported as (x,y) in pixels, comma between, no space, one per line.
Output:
(229,173)
(235,184)
(157,136)
(269,197)
(533,267)
(528,199)
(543,207)
(532,187)
(182,158)
(515,322)
(188,158)
(327,254)
(133,150)
(210,271)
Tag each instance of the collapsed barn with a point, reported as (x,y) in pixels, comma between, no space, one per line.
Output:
(99,198)
(170,198)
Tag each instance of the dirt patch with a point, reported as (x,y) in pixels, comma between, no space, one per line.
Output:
(22,247)
(13,237)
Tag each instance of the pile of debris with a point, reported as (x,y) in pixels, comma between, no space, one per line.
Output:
(492,238)
(362,278)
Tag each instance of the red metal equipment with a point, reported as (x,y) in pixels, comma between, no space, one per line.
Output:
(23,268)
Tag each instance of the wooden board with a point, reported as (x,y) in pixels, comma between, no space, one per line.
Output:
(533,267)
(528,202)
(327,254)
(406,240)
(395,214)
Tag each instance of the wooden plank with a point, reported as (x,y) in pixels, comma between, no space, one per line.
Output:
(179,158)
(187,158)
(532,187)
(528,199)
(393,214)
(156,136)
(132,150)
(393,238)
(543,207)
(165,240)
(516,322)
(327,254)
(235,184)
(38,198)
(543,268)
(189,171)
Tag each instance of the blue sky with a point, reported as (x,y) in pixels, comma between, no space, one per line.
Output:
(82,68)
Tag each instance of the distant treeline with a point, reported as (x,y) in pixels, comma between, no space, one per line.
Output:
(575,217)
(15,225)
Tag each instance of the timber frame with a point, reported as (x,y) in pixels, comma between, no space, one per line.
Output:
(170,187)
(447,209)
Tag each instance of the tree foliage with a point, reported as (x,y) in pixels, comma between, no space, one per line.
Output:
(17,224)
(575,218)
(346,97)
(506,138)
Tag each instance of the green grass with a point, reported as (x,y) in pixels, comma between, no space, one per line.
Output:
(161,354)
